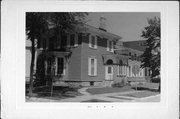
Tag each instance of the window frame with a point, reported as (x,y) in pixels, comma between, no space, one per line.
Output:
(123,70)
(90,41)
(90,67)
(56,70)
(108,46)
(75,40)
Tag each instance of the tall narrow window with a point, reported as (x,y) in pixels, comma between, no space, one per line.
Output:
(72,39)
(92,67)
(92,70)
(135,58)
(122,70)
(110,46)
(130,71)
(92,41)
(64,41)
(60,65)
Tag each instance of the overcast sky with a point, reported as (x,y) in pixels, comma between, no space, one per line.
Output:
(127,25)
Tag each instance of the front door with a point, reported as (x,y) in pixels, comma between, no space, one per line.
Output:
(109,73)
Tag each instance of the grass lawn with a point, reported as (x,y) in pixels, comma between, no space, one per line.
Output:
(141,94)
(103,90)
(59,92)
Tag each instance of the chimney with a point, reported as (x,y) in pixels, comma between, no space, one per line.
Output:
(102,24)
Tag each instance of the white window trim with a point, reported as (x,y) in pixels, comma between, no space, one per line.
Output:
(56,61)
(106,73)
(75,40)
(124,70)
(89,66)
(90,45)
(108,46)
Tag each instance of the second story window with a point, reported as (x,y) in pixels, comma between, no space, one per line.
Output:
(72,40)
(93,41)
(110,46)
(63,41)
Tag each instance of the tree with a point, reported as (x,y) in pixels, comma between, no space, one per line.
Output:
(38,23)
(151,56)
(35,25)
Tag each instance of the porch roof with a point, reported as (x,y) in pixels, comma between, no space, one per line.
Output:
(115,59)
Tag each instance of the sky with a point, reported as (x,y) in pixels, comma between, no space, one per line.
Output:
(128,25)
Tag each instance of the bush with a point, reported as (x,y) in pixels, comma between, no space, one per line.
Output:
(155,80)
(119,84)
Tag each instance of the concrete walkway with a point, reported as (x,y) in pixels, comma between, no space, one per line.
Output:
(83,91)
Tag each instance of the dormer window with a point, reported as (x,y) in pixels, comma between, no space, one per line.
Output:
(110,46)
(93,41)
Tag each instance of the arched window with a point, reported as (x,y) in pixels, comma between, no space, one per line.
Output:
(109,61)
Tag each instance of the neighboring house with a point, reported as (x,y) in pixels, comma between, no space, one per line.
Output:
(88,57)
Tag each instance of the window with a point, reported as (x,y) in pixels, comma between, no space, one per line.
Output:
(92,66)
(91,83)
(44,44)
(135,57)
(109,70)
(72,40)
(110,46)
(93,41)
(130,71)
(48,66)
(63,41)
(122,70)
(60,66)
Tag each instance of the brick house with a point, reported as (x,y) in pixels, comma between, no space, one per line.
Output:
(88,57)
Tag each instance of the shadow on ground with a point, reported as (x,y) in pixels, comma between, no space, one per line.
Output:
(145,89)
(59,92)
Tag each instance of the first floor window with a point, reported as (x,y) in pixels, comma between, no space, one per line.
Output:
(122,70)
(48,67)
(130,71)
(60,65)
(92,67)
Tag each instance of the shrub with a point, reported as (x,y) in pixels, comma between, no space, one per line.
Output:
(119,84)
(155,80)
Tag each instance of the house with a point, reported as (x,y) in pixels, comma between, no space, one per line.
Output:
(88,57)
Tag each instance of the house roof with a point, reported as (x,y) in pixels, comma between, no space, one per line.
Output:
(101,32)
(137,45)
(125,51)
